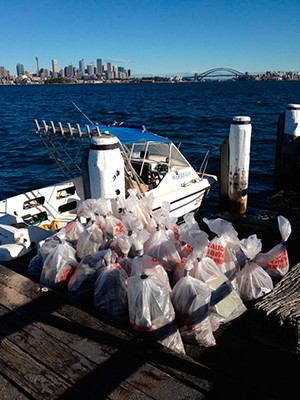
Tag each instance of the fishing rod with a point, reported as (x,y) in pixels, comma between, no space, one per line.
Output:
(75,105)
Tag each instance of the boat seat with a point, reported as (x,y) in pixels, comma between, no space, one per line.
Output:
(142,154)
(146,172)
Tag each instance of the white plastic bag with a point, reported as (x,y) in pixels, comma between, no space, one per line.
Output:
(147,205)
(150,266)
(58,265)
(178,271)
(72,231)
(162,248)
(90,240)
(193,239)
(252,281)
(82,281)
(191,299)
(110,295)
(276,261)
(123,245)
(224,249)
(86,209)
(225,304)
(131,223)
(36,264)
(151,311)
(190,224)
(139,242)
(198,242)
(137,207)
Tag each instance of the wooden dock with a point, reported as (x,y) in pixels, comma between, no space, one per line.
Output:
(51,349)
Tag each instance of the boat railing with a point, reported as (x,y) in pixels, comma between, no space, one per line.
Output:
(204,163)
(73,131)
(66,157)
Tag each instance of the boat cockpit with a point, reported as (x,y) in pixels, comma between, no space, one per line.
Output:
(153,160)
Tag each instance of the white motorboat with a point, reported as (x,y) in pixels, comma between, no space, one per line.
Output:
(116,157)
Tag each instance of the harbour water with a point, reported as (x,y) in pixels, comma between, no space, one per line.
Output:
(197,113)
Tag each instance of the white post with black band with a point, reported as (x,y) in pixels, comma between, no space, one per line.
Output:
(106,168)
(287,167)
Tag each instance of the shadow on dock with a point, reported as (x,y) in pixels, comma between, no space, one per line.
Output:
(51,349)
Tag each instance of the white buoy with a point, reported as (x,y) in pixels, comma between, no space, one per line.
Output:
(239,162)
(106,168)
(292,120)
(288,149)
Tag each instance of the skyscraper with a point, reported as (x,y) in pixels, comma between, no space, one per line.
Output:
(54,68)
(37,66)
(81,66)
(69,71)
(115,72)
(2,72)
(20,69)
(90,69)
(99,66)
(109,71)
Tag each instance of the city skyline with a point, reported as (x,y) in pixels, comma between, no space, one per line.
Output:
(89,70)
(153,38)
(110,71)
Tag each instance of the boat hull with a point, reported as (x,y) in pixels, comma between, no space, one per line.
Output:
(49,202)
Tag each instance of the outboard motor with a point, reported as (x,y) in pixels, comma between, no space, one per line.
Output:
(106,168)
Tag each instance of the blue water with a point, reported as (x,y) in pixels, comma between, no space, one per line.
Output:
(197,113)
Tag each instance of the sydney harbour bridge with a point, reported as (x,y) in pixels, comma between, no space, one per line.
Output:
(220,72)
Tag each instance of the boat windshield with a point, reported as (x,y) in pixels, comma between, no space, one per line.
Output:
(158,153)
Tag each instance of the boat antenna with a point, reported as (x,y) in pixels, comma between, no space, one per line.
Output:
(91,122)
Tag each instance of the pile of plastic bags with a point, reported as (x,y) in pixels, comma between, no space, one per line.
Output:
(168,280)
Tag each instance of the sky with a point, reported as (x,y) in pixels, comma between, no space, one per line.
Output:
(158,37)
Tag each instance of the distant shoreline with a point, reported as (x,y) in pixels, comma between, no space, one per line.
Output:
(146,83)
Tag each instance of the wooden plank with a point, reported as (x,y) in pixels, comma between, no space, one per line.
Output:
(221,368)
(142,377)
(38,381)
(104,345)
(264,372)
(116,366)
(277,315)
(92,329)
(43,347)
(8,391)
(53,301)
(88,377)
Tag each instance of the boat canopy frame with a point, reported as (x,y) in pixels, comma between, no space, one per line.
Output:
(129,136)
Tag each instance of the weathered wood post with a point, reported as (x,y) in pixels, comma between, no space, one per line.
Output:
(234,168)
(287,170)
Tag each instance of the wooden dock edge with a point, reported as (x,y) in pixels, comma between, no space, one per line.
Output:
(52,349)
(276,317)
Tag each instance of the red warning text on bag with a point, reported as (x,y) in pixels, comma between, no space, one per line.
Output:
(66,273)
(216,252)
(70,226)
(176,233)
(118,228)
(140,328)
(185,322)
(279,262)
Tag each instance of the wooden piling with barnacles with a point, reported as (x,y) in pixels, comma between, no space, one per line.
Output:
(234,168)
(287,169)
